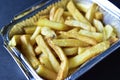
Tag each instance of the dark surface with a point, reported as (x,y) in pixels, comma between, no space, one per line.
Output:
(107,69)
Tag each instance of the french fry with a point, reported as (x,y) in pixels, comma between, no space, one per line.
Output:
(34,35)
(28,51)
(45,49)
(82,38)
(95,35)
(38,50)
(58,14)
(62,36)
(91,12)
(99,15)
(113,39)
(75,13)
(51,24)
(108,31)
(63,71)
(70,51)
(15,41)
(98,24)
(88,54)
(46,73)
(29,30)
(44,60)
(69,43)
(82,7)
(52,13)
(46,31)
(76,23)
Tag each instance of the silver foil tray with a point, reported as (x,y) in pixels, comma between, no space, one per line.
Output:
(111,17)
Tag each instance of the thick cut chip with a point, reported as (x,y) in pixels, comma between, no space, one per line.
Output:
(46,31)
(52,13)
(63,71)
(38,50)
(34,35)
(98,24)
(15,40)
(70,51)
(46,73)
(58,14)
(76,23)
(80,37)
(45,49)
(108,31)
(95,35)
(51,24)
(99,15)
(29,30)
(69,43)
(88,54)
(83,7)
(91,12)
(44,60)
(27,50)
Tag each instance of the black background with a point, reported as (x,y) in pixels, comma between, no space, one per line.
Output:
(107,69)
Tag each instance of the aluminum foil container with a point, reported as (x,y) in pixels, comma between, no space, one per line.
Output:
(111,16)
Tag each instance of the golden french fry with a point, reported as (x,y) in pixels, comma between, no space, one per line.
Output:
(51,24)
(28,51)
(91,12)
(113,39)
(46,73)
(82,38)
(38,50)
(58,14)
(62,36)
(34,35)
(44,60)
(75,13)
(76,23)
(82,7)
(29,30)
(88,54)
(98,24)
(99,15)
(69,43)
(63,71)
(15,41)
(52,13)
(108,31)
(95,35)
(45,49)
(46,31)
(70,51)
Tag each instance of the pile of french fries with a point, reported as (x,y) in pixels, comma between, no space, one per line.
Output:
(65,39)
